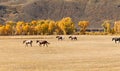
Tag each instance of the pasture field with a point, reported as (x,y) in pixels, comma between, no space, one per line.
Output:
(88,53)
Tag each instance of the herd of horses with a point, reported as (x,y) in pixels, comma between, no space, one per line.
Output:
(45,42)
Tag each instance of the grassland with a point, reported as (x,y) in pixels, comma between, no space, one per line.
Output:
(88,53)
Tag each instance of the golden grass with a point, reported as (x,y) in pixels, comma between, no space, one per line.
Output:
(88,53)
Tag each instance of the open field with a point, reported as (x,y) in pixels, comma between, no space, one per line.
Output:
(88,53)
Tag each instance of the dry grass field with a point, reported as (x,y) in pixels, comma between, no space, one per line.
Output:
(88,53)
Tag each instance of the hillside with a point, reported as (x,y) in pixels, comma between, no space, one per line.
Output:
(96,11)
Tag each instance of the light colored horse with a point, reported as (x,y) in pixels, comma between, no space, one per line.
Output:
(116,39)
(28,42)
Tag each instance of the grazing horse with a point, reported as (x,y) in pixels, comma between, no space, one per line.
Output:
(44,42)
(116,39)
(59,37)
(73,37)
(28,42)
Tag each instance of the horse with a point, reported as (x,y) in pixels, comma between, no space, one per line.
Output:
(28,42)
(59,37)
(44,42)
(73,37)
(116,39)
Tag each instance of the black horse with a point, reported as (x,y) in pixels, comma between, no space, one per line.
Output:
(28,42)
(73,37)
(116,39)
(59,37)
(42,42)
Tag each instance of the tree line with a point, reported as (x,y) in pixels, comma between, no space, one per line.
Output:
(65,26)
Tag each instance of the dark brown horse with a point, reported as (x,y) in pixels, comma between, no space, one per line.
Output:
(116,39)
(73,37)
(59,37)
(42,42)
(28,42)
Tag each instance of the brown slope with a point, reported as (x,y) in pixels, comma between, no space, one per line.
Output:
(93,10)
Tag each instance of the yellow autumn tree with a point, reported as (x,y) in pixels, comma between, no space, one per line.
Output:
(19,27)
(8,29)
(106,25)
(32,27)
(117,27)
(66,25)
(12,25)
(58,30)
(44,28)
(33,22)
(2,30)
(38,29)
(83,25)
(39,22)
(26,29)
(51,27)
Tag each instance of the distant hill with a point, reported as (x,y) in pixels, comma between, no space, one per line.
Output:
(96,11)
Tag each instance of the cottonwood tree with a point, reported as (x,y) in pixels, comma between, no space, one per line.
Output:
(83,25)
(66,25)
(8,29)
(44,28)
(19,27)
(12,26)
(51,27)
(107,27)
(2,30)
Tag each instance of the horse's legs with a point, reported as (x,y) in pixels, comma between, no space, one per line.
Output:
(72,38)
(118,40)
(46,45)
(31,44)
(75,39)
(26,44)
(40,44)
